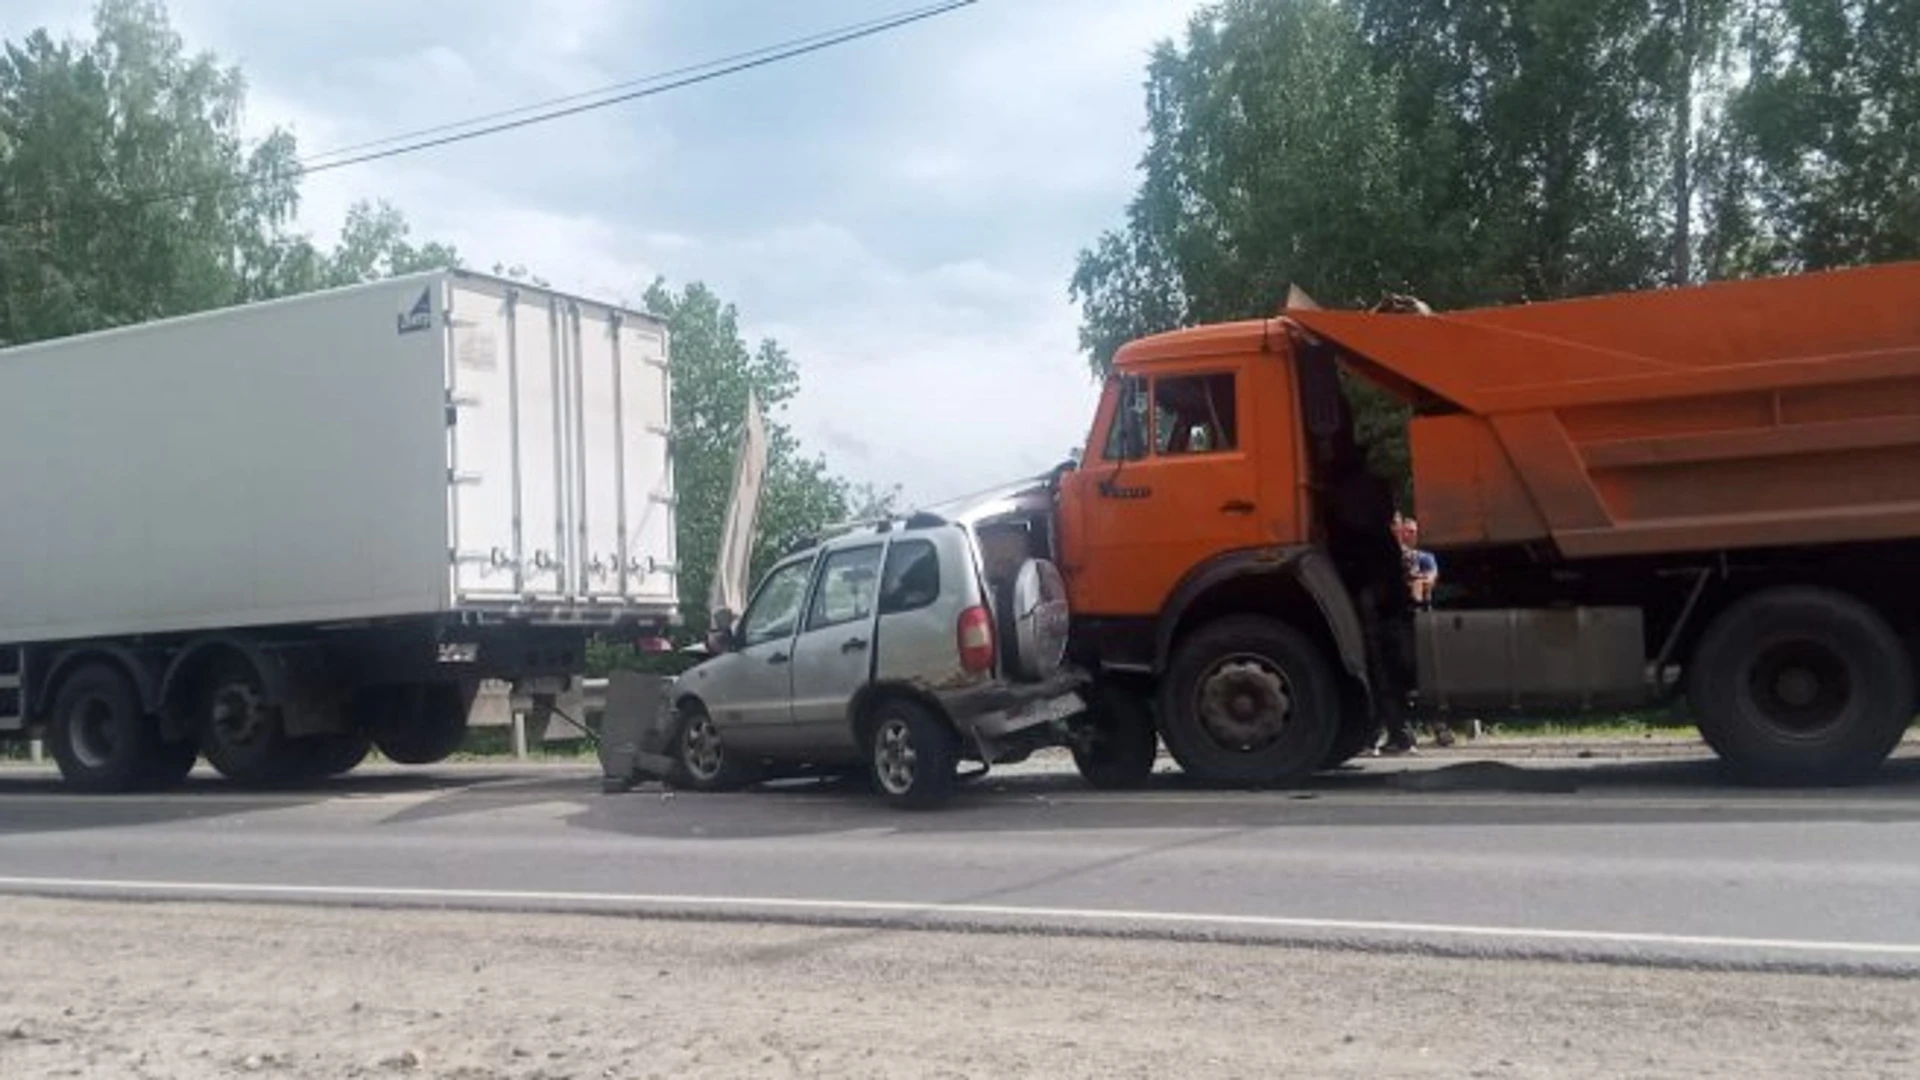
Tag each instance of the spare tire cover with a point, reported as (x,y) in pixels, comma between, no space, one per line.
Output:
(1040,618)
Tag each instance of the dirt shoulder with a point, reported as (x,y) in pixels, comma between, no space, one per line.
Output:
(200,991)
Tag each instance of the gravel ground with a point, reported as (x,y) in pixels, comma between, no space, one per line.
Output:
(201,991)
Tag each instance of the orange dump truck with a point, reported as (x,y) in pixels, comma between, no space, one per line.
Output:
(1707,492)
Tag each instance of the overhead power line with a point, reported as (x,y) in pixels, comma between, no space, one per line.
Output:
(882,23)
(555,109)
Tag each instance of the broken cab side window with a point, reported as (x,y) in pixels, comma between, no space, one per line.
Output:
(1127,435)
(1194,414)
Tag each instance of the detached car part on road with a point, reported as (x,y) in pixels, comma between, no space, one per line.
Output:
(903,648)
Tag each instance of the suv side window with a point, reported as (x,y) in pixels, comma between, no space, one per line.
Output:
(776,607)
(848,581)
(1193,414)
(912,577)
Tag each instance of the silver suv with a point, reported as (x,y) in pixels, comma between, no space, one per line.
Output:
(903,647)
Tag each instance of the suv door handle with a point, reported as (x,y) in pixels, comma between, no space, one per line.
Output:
(1236,506)
(853,645)
(778,658)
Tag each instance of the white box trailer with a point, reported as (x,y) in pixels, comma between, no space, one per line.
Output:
(276,532)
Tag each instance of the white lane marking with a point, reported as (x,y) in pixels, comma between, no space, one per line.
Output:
(751,905)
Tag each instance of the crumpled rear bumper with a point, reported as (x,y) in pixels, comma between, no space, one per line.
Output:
(999,709)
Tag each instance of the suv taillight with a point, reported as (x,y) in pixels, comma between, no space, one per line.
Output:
(976,640)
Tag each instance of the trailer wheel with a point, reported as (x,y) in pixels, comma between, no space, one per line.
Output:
(1249,700)
(101,739)
(1121,741)
(242,735)
(1801,686)
(169,764)
(336,754)
(417,724)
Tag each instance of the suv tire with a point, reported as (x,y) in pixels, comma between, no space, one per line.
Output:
(701,761)
(914,754)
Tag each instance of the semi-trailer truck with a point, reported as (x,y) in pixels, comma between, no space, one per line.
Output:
(278,534)
(1706,495)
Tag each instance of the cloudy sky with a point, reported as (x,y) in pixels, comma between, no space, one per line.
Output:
(902,212)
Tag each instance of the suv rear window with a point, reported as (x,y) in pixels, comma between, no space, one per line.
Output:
(912,577)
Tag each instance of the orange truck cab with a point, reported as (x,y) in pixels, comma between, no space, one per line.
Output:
(1709,492)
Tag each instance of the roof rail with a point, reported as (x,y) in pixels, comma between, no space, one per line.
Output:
(916,519)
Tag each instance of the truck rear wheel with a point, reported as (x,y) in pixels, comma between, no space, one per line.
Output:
(100,738)
(1801,686)
(1249,700)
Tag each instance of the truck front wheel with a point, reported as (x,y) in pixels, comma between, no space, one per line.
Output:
(1801,686)
(1249,700)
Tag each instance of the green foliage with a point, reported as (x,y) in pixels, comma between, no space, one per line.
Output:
(126,190)
(713,372)
(1506,151)
(1272,159)
(1831,120)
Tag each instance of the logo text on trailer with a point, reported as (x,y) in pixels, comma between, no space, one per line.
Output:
(420,315)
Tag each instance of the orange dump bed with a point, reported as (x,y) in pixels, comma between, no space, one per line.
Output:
(1772,412)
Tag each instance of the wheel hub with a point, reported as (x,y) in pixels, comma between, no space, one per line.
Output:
(239,717)
(94,740)
(894,757)
(702,750)
(1244,704)
(1801,688)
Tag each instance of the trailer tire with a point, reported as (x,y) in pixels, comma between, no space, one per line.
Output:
(1801,686)
(242,735)
(335,754)
(1249,700)
(101,738)
(1119,750)
(169,764)
(417,724)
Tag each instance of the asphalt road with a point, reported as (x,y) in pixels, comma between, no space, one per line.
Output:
(1651,860)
